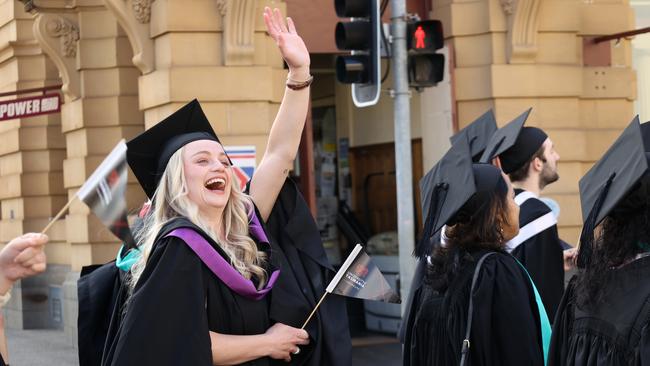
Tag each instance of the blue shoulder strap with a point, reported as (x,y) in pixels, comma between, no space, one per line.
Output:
(543,317)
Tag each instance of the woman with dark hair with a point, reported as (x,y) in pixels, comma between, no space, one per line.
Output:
(604,316)
(478,305)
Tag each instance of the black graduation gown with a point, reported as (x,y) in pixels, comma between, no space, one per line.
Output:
(505,326)
(542,256)
(615,332)
(413,300)
(175,304)
(100,290)
(305,272)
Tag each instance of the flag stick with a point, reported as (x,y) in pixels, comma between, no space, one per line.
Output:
(314,311)
(58,216)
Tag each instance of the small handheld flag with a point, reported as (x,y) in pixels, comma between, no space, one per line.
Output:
(359,277)
(104,192)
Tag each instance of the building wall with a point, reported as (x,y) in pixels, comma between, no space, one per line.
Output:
(125,67)
(641,58)
(32,151)
(514,54)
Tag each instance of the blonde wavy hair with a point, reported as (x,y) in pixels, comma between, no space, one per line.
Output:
(171,201)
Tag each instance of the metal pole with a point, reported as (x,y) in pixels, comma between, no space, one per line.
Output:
(403,165)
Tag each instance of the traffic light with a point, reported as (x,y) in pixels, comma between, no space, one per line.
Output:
(360,36)
(425,66)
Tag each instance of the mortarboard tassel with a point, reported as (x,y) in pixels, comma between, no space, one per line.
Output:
(438,196)
(587,235)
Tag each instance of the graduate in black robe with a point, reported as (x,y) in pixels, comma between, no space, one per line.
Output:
(604,316)
(297,252)
(541,254)
(507,326)
(154,330)
(527,155)
(477,134)
(195,299)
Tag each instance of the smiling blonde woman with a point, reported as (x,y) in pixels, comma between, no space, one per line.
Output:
(200,293)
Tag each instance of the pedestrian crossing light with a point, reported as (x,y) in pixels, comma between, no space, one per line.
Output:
(425,66)
(360,37)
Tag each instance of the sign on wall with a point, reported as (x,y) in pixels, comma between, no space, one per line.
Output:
(29,107)
(243,160)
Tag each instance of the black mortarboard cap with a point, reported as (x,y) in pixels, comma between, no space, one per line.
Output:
(478,134)
(504,137)
(645,133)
(444,190)
(149,152)
(530,139)
(609,181)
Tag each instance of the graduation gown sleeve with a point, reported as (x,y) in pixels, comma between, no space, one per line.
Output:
(644,347)
(297,251)
(542,256)
(505,326)
(562,326)
(165,321)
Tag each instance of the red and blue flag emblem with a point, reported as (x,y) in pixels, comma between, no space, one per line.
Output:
(243,160)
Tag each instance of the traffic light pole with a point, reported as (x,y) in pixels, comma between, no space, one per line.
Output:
(403,158)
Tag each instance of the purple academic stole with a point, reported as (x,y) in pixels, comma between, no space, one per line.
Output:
(220,267)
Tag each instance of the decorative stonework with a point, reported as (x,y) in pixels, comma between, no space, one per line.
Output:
(239,31)
(68,32)
(58,36)
(134,20)
(508,6)
(222,6)
(142,10)
(523,22)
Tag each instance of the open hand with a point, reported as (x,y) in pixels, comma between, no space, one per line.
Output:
(292,47)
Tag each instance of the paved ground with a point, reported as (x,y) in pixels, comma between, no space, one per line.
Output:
(50,348)
(40,348)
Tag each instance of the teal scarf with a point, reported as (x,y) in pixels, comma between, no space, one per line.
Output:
(543,317)
(125,263)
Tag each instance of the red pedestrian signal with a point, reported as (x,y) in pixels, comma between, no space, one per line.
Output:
(425,36)
(425,65)
(420,35)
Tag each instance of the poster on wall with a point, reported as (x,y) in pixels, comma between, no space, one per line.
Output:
(243,160)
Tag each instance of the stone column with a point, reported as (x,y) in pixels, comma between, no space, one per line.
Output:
(514,54)
(31,176)
(218,52)
(94,57)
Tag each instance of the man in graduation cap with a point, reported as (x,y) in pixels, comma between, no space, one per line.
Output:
(604,316)
(529,158)
(476,135)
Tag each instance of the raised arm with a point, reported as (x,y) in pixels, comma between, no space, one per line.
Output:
(286,131)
